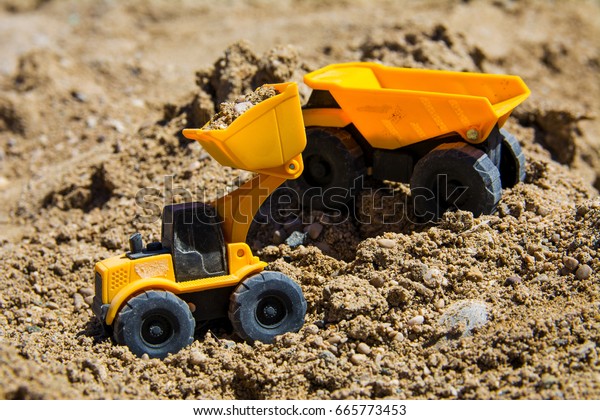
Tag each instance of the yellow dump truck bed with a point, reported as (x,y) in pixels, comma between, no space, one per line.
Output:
(394,107)
(268,138)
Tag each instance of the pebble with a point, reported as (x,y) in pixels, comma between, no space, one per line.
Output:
(399,337)
(467,313)
(296,239)
(117,125)
(78,301)
(512,280)
(314,230)
(197,358)
(386,243)
(194,166)
(440,303)
(432,277)
(583,272)
(555,238)
(377,280)
(86,291)
(363,348)
(327,355)
(4,183)
(91,122)
(334,339)
(358,359)
(417,320)
(475,274)
(52,305)
(570,263)
(278,237)
(311,329)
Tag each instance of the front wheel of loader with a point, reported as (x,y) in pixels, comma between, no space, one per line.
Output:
(267,305)
(155,323)
(455,176)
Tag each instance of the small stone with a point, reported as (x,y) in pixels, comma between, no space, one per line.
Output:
(363,348)
(334,339)
(4,183)
(433,277)
(386,243)
(464,316)
(117,125)
(555,238)
(358,359)
(417,320)
(194,166)
(86,291)
(52,305)
(89,300)
(583,272)
(91,122)
(32,329)
(377,280)
(78,301)
(570,263)
(197,358)
(548,380)
(228,344)
(278,237)
(327,355)
(311,329)
(296,239)
(145,356)
(440,303)
(399,337)
(314,230)
(512,280)
(475,275)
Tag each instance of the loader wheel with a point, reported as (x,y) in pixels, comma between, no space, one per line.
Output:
(266,305)
(455,176)
(512,161)
(332,162)
(156,323)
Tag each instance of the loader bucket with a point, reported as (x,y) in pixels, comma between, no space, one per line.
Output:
(268,138)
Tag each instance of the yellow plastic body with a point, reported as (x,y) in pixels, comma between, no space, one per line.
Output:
(124,278)
(395,107)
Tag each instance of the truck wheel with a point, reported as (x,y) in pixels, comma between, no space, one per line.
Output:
(156,323)
(512,161)
(455,176)
(266,305)
(332,163)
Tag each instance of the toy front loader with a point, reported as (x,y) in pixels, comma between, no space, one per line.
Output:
(202,269)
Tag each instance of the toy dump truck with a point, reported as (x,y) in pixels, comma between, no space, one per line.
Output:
(153,297)
(440,131)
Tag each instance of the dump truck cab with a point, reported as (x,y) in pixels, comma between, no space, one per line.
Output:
(153,297)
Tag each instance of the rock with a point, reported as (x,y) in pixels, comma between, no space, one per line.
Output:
(197,359)
(314,230)
(296,239)
(570,263)
(334,339)
(417,320)
(583,272)
(474,274)
(440,303)
(278,237)
(472,314)
(86,291)
(512,280)
(311,329)
(386,243)
(399,337)
(358,359)
(377,280)
(327,356)
(78,301)
(363,348)
(433,277)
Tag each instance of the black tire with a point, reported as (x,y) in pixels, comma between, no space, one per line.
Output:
(155,323)
(267,305)
(333,161)
(455,176)
(512,161)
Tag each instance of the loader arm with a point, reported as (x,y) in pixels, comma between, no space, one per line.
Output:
(268,140)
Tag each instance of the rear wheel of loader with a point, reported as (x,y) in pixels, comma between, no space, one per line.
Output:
(155,323)
(267,305)
(512,161)
(333,161)
(455,176)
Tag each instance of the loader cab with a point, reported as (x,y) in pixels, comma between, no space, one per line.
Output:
(193,234)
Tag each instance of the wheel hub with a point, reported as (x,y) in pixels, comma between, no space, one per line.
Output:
(270,312)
